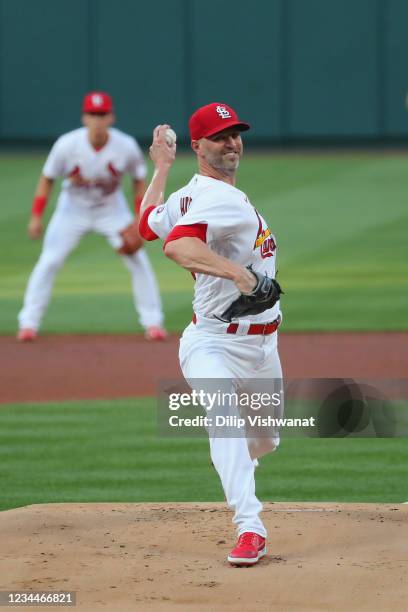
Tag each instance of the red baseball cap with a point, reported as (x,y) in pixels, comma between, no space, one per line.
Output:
(213,118)
(97,102)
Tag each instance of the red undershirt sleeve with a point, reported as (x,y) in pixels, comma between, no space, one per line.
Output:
(197,230)
(144,228)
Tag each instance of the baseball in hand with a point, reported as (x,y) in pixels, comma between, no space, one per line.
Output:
(171,137)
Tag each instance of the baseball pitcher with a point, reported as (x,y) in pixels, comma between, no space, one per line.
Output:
(210,228)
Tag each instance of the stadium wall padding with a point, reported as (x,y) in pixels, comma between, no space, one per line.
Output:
(295,69)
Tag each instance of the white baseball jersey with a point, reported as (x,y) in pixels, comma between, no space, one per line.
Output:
(98,173)
(234,229)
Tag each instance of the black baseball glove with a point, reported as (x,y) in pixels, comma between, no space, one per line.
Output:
(263,296)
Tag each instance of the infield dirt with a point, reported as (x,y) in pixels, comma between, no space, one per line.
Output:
(92,367)
(127,557)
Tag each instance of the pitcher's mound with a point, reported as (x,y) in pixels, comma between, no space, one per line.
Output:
(173,557)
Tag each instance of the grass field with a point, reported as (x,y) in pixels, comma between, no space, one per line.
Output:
(109,451)
(340,220)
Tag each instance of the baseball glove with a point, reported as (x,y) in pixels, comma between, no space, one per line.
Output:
(132,240)
(263,296)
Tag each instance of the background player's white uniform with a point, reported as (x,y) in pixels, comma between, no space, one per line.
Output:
(235,230)
(98,205)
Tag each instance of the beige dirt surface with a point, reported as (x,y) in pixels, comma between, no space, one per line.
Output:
(125,557)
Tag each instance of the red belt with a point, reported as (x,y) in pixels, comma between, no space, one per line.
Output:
(261,329)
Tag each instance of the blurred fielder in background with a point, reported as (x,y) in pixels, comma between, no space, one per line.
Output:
(92,160)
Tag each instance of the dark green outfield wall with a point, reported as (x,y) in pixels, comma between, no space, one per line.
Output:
(296,69)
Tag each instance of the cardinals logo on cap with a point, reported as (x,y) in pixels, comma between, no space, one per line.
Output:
(223,112)
(97,100)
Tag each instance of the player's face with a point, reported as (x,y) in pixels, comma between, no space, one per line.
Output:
(223,150)
(97,123)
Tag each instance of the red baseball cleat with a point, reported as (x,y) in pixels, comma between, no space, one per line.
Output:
(155,333)
(249,549)
(26,335)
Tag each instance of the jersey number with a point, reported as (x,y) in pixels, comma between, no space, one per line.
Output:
(184,205)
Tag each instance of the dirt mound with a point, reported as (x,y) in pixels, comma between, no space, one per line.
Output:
(86,367)
(173,556)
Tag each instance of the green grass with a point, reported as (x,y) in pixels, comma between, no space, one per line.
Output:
(109,451)
(340,220)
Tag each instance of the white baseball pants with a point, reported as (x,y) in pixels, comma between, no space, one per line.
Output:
(206,355)
(67,226)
